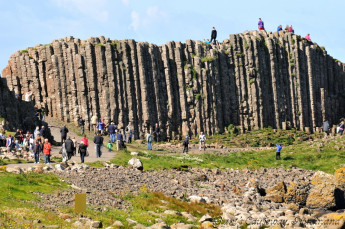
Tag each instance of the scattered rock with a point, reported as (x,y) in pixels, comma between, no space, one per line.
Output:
(276,193)
(135,163)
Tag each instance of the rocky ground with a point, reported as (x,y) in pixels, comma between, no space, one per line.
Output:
(274,197)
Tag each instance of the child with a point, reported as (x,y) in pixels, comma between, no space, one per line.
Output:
(110,145)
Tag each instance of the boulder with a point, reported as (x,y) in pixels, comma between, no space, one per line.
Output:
(323,193)
(16,170)
(135,163)
(276,193)
(297,193)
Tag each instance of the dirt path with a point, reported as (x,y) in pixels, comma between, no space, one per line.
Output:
(55,126)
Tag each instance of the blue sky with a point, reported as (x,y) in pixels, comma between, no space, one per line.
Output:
(27,23)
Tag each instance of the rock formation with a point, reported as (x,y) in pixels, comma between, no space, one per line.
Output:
(252,80)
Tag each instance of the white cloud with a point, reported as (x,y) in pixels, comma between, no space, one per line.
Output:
(135,20)
(152,15)
(96,9)
(125,2)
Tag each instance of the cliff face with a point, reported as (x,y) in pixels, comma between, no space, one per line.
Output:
(252,80)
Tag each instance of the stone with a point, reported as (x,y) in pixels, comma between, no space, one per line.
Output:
(134,153)
(323,193)
(183,226)
(118,224)
(204,218)
(96,224)
(130,221)
(171,212)
(60,167)
(206,225)
(16,170)
(118,80)
(196,199)
(297,193)
(276,193)
(160,226)
(135,163)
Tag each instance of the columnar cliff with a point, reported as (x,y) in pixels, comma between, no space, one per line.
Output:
(252,80)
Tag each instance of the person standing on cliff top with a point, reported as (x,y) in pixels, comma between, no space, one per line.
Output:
(261,25)
(213,35)
(308,37)
(280,28)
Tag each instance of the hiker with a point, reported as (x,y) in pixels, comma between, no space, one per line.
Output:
(202,140)
(128,133)
(111,131)
(46,151)
(81,123)
(185,144)
(9,143)
(74,146)
(261,25)
(101,126)
(94,123)
(18,136)
(63,132)
(341,128)
(291,30)
(325,128)
(157,132)
(82,151)
(43,133)
(213,35)
(36,132)
(85,140)
(109,146)
(98,140)
(69,146)
(287,28)
(308,37)
(280,28)
(279,148)
(63,152)
(38,147)
(149,141)
(2,139)
(119,140)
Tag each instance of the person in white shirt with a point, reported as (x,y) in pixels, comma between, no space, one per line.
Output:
(202,139)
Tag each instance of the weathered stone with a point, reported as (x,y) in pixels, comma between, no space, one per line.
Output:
(135,163)
(186,88)
(276,193)
(323,193)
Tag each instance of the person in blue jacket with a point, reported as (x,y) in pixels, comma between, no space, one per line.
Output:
(280,28)
(279,148)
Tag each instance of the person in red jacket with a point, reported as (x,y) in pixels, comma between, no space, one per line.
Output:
(46,151)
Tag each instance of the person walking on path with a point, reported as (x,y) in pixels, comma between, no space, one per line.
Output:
(157,132)
(119,139)
(149,141)
(280,28)
(63,132)
(128,133)
(47,151)
(9,143)
(69,145)
(325,128)
(279,148)
(213,35)
(82,151)
(81,123)
(98,140)
(341,128)
(101,125)
(111,131)
(202,140)
(94,123)
(85,140)
(74,146)
(185,144)
(38,147)
(308,37)
(109,146)
(261,25)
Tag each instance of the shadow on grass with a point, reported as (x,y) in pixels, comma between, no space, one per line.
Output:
(288,158)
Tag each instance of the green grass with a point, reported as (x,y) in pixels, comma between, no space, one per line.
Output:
(17,198)
(207,59)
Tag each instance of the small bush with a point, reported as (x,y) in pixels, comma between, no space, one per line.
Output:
(207,59)
(252,80)
(100,45)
